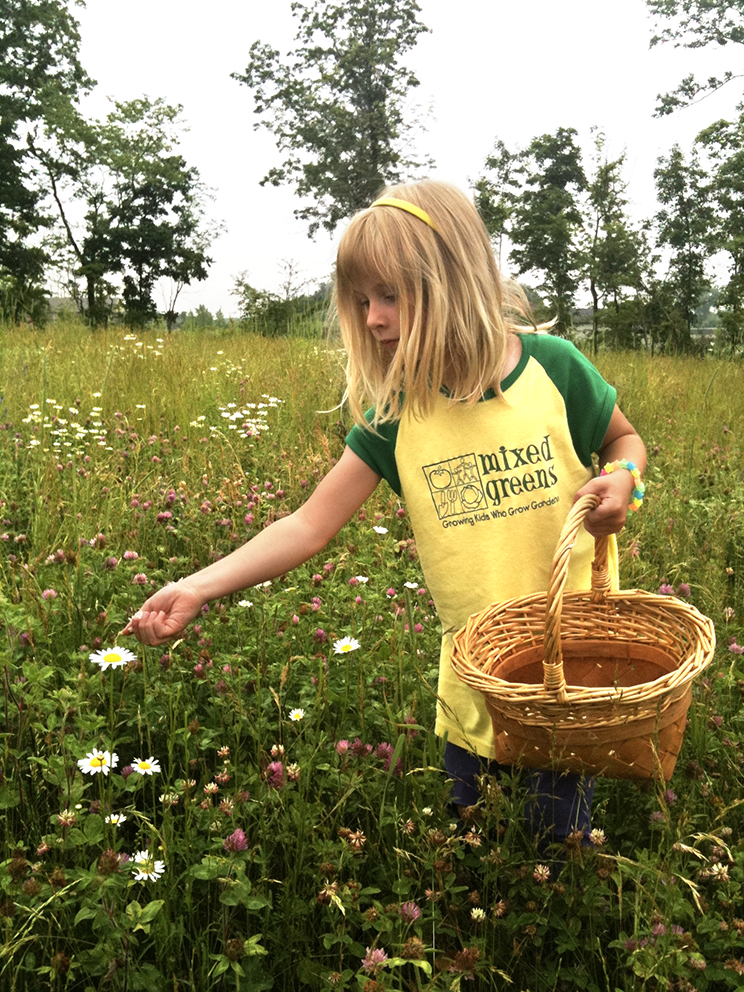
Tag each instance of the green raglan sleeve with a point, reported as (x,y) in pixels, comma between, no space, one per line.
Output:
(377,450)
(589,400)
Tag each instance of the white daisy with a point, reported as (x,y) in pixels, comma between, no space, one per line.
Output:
(245,603)
(296,714)
(98,761)
(146,766)
(145,867)
(345,644)
(380,530)
(411,585)
(361,578)
(112,657)
(116,818)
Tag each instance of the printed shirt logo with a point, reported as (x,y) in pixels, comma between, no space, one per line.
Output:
(462,486)
(455,485)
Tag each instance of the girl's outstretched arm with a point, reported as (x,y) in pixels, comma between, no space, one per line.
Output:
(614,490)
(279,548)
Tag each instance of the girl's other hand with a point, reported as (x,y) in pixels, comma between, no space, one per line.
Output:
(165,614)
(614,491)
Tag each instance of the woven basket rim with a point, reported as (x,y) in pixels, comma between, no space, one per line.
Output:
(700,626)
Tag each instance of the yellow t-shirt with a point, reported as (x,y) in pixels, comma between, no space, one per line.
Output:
(488,488)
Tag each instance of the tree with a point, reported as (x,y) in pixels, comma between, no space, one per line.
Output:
(614,251)
(695,24)
(495,193)
(683,227)
(39,73)
(337,103)
(547,219)
(724,144)
(144,207)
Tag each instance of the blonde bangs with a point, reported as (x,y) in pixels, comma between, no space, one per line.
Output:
(456,311)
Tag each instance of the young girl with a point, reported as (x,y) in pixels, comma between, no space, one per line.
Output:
(485,428)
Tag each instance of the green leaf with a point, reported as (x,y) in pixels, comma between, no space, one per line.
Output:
(93,829)
(256,902)
(209,869)
(9,795)
(222,965)
(86,913)
(252,947)
(151,910)
(397,962)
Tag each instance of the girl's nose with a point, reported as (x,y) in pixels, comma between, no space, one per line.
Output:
(374,316)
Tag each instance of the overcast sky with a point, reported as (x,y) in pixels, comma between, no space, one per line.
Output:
(489,69)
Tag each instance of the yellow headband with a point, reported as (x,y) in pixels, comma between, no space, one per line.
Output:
(389,201)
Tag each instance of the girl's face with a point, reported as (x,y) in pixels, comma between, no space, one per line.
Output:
(381,312)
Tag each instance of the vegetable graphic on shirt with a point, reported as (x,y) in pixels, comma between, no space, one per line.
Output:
(440,477)
(471,497)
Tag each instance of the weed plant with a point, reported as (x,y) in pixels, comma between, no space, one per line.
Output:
(261,805)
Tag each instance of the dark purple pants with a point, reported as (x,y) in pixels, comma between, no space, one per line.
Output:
(557,803)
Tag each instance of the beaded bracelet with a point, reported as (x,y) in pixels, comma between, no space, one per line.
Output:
(640,488)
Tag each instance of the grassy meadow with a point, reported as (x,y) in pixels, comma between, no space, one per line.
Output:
(261,806)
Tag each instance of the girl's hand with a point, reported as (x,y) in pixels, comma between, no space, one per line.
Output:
(614,491)
(621,441)
(165,614)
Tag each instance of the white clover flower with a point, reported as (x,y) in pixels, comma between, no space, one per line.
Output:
(477,914)
(541,874)
(145,867)
(597,837)
(380,530)
(345,644)
(98,761)
(112,657)
(297,714)
(146,766)
(116,818)
(719,873)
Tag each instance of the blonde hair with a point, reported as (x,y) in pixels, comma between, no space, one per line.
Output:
(456,310)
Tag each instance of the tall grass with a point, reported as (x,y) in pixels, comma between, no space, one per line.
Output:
(299,809)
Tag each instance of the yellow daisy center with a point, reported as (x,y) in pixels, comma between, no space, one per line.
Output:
(111,658)
(144,764)
(346,647)
(97,762)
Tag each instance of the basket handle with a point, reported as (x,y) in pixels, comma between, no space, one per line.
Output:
(553,678)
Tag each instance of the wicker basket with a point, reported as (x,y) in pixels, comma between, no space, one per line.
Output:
(596,682)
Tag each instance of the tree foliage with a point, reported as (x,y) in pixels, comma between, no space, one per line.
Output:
(274,315)
(144,207)
(337,103)
(39,73)
(615,252)
(696,24)
(495,192)
(683,226)
(723,143)
(547,217)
